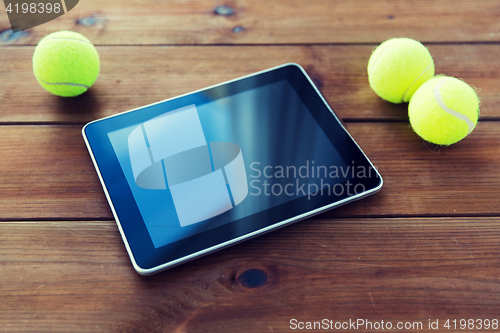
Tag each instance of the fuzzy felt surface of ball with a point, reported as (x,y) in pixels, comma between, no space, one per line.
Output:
(444,110)
(398,67)
(65,63)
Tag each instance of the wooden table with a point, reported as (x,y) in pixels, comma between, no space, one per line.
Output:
(427,247)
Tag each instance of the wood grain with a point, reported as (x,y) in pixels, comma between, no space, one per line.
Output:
(76,276)
(426,247)
(272,22)
(132,77)
(46,172)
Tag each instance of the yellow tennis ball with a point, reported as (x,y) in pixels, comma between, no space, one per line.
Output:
(444,110)
(398,67)
(65,63)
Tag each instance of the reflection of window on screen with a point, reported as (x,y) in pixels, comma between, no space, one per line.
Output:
(172,149)
(194,166)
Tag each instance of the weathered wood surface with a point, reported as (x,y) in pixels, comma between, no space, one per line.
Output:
(76,276)
(272,22)
(426,247)
(46,172)
(132,77)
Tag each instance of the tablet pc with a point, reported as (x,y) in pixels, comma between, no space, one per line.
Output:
(195,173)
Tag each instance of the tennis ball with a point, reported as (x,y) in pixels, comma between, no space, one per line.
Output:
(398,67)
(65,63)
(444,110)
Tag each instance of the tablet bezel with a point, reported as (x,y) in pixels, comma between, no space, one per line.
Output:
(147,259)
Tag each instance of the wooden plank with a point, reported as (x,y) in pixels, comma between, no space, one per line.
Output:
(272,22)
(76,276)
(132,77)
(46,172)
(424,179)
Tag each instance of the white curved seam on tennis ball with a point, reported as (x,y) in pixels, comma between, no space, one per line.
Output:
(439,100)
(66,84)
(411,85)
(64,38)
(376,60)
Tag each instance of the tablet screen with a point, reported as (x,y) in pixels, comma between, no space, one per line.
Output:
(207,164)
